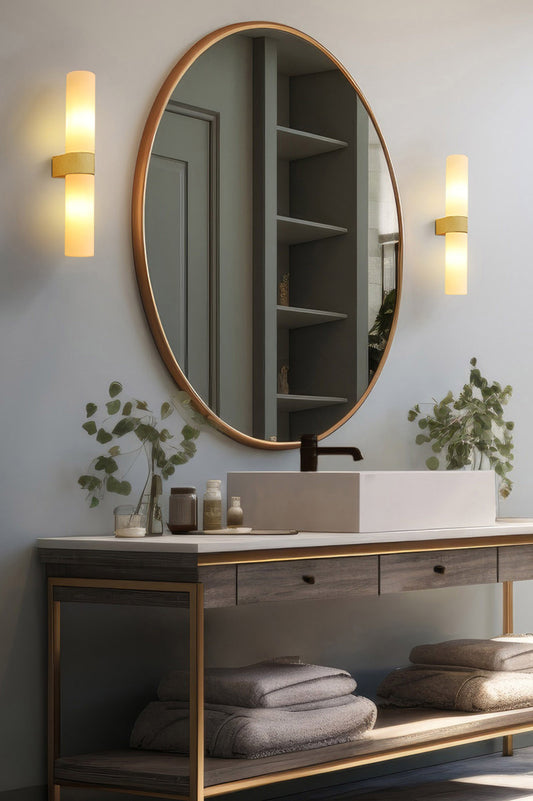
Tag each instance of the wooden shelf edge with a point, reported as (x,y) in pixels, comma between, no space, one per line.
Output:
(298,403)
(296,317)
(295,231)
(152,772)
(294,144)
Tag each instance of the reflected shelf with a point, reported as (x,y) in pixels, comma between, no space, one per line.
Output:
(294,317)
(294,144)
(293,231)
(299,403)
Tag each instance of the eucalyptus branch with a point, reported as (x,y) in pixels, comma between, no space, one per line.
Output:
(133,417)
(470,429)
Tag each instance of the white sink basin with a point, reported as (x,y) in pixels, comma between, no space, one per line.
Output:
(366,501)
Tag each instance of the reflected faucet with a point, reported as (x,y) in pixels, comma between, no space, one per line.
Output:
(309,452)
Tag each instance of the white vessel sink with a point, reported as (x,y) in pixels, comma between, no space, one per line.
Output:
(366,501)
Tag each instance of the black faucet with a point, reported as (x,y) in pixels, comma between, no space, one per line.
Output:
(309,452)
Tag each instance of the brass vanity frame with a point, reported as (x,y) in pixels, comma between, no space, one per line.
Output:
(125,591)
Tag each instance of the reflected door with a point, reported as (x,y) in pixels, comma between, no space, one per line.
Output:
(178,236)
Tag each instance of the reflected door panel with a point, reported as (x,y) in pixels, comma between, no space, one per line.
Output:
(178,241)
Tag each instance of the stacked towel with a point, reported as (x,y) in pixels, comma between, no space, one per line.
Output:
(467,675)
(258,710)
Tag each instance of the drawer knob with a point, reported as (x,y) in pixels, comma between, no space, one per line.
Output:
(439,569)
(309,579)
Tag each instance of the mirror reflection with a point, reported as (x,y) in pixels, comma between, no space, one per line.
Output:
(271,236)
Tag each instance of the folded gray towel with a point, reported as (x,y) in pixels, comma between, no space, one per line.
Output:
(253,733)
(501,653)
(463,689)
(273,683)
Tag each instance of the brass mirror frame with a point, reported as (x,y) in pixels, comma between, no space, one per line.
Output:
(139,247)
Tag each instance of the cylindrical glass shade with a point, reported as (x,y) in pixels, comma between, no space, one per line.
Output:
(456,261)
(79,188)
(79,131)
(456,258)
(457,186)
(79,215)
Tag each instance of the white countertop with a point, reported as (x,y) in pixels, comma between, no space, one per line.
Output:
(219,543)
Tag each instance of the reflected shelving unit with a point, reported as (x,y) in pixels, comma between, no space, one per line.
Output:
(311,237)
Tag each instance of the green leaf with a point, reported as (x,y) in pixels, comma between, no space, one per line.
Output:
(103,436)
(127,408)
(90,427)
(89,482)
(124,426)
(188,432)
(119,487)
(94,502)
(114,451)
(432,463)
(179,458)
(91,409)
(473,361)
(421,438)
(113,406)
(106,463)
(423,423)
(146,432)
(166,410)
(165,434)
(142,405)
(115,388)
(189,447)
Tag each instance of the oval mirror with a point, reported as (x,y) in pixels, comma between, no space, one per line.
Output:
(267,234)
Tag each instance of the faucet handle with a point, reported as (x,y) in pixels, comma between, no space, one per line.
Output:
(308,453)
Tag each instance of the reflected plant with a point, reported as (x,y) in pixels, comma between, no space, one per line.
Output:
(470,429)
(378,335)
(132,418)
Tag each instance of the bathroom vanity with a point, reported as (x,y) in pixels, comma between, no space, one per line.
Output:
(197,573)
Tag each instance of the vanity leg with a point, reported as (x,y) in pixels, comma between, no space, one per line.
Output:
(54,653)
(508,629)
(196,696)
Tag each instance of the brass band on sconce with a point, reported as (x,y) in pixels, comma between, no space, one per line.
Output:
(72,164)
(453,224)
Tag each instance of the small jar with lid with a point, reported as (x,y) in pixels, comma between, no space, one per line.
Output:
(183,510)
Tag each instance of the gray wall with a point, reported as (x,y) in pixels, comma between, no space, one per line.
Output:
(438,85)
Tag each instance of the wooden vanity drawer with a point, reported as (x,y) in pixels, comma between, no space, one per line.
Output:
(515,563)
(307,578)
(435,569)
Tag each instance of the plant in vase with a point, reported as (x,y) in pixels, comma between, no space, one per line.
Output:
(129,418)
(471,429)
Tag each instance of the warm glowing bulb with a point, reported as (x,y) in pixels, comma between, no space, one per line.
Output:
(457,186)
(456,262)
(79,132)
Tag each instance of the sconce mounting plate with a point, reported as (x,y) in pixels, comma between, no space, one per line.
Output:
(453,224)
(72,163)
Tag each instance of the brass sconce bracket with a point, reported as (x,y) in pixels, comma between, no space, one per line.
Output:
(72,163)
(452,224)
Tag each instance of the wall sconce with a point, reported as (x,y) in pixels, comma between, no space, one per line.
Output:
(76,165)
(455,226)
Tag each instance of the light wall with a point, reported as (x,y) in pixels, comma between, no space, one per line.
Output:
(440,81)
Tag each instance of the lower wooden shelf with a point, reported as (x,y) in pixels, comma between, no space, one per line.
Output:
(397,733)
